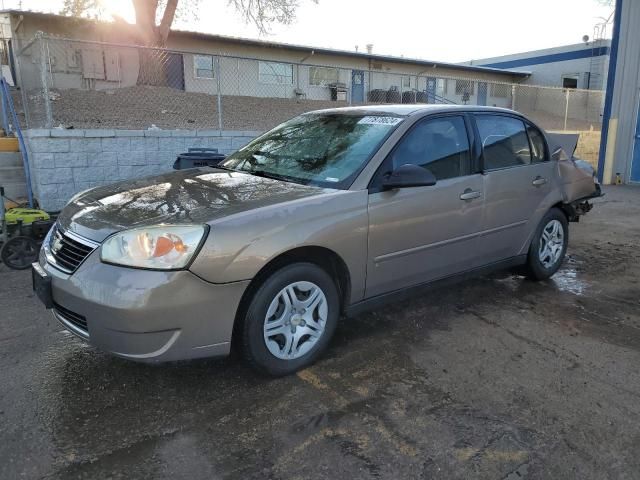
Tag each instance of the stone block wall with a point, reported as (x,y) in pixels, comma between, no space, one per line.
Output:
(64,162)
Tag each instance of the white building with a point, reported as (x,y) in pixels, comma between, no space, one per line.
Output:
(581,65)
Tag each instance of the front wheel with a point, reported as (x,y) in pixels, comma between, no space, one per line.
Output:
(548,246)
(291,319)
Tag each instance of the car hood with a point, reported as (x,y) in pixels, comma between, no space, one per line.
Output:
(183,197)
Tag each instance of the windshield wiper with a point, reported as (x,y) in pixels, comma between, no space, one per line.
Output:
(262,173)
(223,168)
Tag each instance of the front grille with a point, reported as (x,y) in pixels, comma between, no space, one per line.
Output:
(67,252)
(73,318)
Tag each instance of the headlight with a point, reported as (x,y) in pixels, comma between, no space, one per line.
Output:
(159,247)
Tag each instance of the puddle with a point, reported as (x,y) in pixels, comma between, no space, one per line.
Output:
(567,280)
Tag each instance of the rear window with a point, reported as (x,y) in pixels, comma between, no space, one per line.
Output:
(504,141)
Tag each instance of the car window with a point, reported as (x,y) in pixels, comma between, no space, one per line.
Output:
(504,141)
(538,151)
(321,149)
(439,144)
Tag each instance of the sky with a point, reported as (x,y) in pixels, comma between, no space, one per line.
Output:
(449,30)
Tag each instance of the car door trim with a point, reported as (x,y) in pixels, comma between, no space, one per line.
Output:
(404,293)
(410,251)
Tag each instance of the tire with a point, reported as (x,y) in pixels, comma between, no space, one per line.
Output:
(277,337)
(548,246)
(19,252)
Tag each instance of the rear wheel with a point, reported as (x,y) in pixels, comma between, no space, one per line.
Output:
(19,252)
(291,319)
(549,245)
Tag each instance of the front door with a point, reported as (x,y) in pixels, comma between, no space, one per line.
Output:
(357,86)
(482,93)
(425,233)
(517,181)
(635,161)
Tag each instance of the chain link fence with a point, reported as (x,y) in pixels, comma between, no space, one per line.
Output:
(82,84)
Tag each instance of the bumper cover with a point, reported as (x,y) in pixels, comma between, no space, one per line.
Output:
(144,315)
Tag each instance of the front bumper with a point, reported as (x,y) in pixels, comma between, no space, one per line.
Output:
(144,315)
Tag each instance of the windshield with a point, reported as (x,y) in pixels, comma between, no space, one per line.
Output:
(322,149)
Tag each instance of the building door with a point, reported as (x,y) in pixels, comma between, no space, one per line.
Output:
(357,86)
(482,93)
(431,90)
(174,71)
(635,162)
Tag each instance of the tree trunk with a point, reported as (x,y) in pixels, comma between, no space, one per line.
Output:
(152,62)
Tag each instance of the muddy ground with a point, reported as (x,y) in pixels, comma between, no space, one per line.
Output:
(496,378)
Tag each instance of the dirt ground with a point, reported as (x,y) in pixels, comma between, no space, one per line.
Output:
(142,106)
(495,378)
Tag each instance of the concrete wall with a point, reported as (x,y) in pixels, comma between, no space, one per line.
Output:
(64,162)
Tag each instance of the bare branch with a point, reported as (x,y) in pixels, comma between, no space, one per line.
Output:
(263,13)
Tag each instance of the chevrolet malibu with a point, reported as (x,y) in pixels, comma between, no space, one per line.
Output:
(324,216)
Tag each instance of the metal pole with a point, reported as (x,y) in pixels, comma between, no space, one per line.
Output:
(219,97)
(43,80)
(3,235)
(566,108)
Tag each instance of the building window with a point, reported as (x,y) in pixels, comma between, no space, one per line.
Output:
(203,65)
(406,82)
(500,90)
(569,82)
(322,76)
(275,73)
(464,87)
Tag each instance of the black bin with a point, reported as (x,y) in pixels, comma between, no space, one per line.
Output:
(393,95)
(378,96)
(198,157)
(409,97)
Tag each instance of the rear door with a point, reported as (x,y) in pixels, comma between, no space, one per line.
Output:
(425,233)
(517,182)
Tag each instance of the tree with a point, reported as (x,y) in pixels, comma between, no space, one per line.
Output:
(155,17)
(82,8)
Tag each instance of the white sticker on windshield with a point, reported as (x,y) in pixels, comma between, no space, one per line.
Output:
(331,179)
(378,120)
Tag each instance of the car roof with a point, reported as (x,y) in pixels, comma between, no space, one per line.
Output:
(406,110)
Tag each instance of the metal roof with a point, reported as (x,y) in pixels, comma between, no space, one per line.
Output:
(306,48)
(405,110)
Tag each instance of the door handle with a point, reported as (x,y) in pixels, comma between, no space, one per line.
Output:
(469,194)
(538,181)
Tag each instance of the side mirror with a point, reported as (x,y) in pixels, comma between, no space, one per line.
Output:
(409,175)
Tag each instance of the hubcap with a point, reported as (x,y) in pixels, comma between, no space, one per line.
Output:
(295,320)
(551,243)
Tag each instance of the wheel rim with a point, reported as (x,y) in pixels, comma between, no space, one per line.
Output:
(295,320)
(551,243)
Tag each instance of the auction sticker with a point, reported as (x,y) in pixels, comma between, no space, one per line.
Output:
(379,120)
